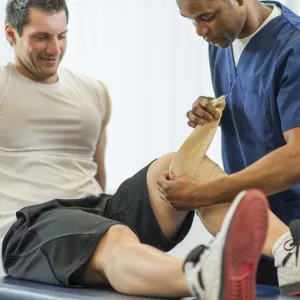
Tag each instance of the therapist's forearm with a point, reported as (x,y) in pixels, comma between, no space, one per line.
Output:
(275,172)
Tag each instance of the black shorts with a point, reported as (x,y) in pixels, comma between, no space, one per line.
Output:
(49,242)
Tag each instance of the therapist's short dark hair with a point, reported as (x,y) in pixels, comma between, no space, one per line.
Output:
(17,11)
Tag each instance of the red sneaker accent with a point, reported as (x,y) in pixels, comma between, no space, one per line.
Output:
(244,243)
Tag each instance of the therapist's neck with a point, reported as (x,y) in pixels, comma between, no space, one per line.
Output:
(257,13)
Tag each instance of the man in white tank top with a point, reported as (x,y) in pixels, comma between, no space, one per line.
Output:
(53,135)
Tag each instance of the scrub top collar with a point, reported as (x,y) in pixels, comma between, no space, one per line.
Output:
(286,13)
(254,43)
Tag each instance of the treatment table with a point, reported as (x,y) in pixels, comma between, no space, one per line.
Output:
(13,289)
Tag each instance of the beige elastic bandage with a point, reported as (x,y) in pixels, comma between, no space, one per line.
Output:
(191,159)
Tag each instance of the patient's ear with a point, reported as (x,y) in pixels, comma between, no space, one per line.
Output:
(10,34)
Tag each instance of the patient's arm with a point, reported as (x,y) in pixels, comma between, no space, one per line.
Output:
(99,155)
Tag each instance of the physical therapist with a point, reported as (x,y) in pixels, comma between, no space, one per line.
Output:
(254,56)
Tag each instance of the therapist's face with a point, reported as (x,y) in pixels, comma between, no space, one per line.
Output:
(219,22)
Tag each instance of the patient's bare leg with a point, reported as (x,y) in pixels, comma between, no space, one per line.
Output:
(133,268)
(212,217)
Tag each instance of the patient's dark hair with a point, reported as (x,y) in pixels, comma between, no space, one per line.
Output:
(17,11)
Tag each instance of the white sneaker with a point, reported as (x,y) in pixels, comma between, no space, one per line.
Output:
(287,260)
(226,269)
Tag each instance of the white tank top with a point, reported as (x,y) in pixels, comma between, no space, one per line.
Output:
(48,136)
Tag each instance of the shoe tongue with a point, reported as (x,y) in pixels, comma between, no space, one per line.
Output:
(295,230)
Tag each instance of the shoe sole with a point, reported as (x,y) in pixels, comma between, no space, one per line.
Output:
(246,224)
(290,290)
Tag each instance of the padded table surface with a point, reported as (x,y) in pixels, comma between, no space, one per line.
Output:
(13,289)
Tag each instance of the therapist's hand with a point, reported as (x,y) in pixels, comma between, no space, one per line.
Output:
(179,191)
(202,112)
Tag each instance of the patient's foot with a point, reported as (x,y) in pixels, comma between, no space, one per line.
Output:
(226,269)
(287,260)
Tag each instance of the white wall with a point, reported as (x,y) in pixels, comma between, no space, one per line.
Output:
(154,66)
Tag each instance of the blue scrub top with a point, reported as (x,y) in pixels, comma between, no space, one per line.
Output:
(263,99)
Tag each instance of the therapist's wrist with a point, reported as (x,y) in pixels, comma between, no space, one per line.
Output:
(224,190)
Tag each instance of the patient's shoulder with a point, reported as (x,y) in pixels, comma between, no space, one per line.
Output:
(70,75)
(89,86)
(5,71)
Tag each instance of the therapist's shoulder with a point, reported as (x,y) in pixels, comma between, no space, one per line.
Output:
(287,34)
(291,46)
(288,28)
(288,59)
(292,40)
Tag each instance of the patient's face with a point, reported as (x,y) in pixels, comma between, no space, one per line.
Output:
(42,44)
(219,22)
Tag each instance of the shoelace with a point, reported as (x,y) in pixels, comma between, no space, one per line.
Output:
(290,247)
(202,248)
(194,257)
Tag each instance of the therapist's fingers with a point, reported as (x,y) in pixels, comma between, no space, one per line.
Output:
(194,119)
(162,194)
(164,199)
(192,124)
(205,102)
(200,112)
(164,175)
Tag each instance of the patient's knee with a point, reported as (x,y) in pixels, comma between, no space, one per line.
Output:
(111,243)
(166,159)
(119,234)
(157,167)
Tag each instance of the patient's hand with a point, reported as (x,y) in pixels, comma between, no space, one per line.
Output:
(179,191)
(202,112)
